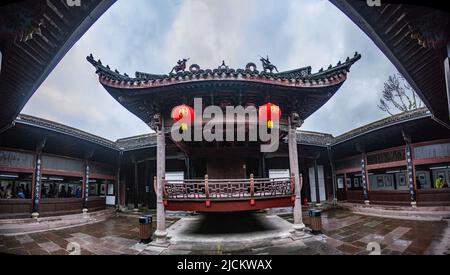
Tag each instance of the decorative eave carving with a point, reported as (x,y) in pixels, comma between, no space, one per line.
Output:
(156,122)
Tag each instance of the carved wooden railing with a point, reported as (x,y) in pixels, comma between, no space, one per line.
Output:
(228,189)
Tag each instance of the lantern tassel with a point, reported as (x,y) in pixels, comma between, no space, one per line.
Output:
(184,126)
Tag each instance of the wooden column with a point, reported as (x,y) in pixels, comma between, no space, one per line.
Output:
(135,187)
(117,185)
(187,162)
(364,178)
(161,232)
(316,182)
(447,73)
(333,174)
(37,179)
(410,169)
(263,166)
(86,186)
(294,122)
(37,186)
(146,186)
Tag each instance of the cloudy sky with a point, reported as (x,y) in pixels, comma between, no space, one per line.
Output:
(151,35)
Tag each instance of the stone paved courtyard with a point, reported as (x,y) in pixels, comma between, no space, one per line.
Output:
(344,233)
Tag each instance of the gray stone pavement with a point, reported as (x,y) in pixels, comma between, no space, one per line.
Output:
(344,233)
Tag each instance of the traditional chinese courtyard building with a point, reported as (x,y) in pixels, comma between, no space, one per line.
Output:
(61,170)
(225,175)
(122,172)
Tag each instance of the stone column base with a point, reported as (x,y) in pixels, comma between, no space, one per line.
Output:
(161,238)
(414,204)
(367,202)
(299,226)
(35,215)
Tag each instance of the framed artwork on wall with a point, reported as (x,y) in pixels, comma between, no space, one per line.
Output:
(380,181)
(356,182)
(388,181)
(349,183)
(402,180)
(340,183)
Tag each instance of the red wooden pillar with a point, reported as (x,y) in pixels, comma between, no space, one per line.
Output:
(208,201)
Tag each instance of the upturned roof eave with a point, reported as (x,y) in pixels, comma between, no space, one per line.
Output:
(297,78)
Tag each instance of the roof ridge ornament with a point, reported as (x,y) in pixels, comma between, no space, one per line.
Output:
(267,65)
(223,66)
(194,68)
(181,66)
(250,67)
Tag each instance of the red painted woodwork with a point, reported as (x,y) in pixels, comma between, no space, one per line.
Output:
(60,206)
(227,189)
(356,196)
(431,161)
(393,197)
(16,170)
(96,203)
(52,172)
(66,206)
(212,195)
(349,170)
(15,208)
(386,165)
(431,142)
(391,149)
(433,197)
(228,206)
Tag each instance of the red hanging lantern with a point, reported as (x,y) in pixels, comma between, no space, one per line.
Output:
(183,113)
(269,112)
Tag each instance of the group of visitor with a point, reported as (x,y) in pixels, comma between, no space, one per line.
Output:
(440,183)
(63,192)
(21,192)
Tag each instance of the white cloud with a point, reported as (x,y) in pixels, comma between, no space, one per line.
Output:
(209,31)
(150,36)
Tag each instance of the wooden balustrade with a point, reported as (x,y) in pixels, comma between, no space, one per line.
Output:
(227,189)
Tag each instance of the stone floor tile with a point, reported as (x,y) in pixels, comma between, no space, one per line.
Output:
(50,246)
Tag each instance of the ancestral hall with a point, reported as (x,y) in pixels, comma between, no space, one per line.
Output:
(61,170)
(225,176)
(49,169)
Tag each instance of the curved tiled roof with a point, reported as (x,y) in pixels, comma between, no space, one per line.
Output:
(382,123)
(149,140)
(136,142)
(301,77)
(314,138)
(64,129)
